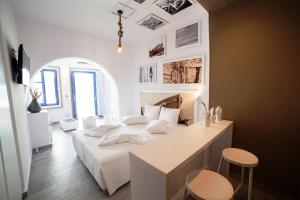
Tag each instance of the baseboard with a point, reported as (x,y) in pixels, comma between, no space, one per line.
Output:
(261,187)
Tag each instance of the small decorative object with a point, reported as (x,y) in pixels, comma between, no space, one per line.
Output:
(173,6)
(212,115)
(34,106)
(219,113)
(157,48)
(207,119)
(147,74)
(152,22)
(206,114)
(186,71)
(188,36)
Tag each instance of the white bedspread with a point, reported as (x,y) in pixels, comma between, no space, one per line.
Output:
(109,165)
(99,131)
(133,138)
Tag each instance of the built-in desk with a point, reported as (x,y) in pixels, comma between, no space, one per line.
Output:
(158,169)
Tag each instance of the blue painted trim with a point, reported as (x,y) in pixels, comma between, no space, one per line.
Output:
(74,110)
(44,103)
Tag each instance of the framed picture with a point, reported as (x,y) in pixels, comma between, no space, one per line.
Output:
(188,36)
(173,6)
(152,22)
(139,1)
(184,71)
(157,48)
(148,74)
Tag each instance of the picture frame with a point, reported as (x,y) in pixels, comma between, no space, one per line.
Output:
(184,71)
(188,35)
(173,7)
(157,48)
(152,22)
(148,73)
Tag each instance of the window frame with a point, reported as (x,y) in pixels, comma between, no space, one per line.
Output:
(44,104)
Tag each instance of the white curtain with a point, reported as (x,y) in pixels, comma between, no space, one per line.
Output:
(103,94)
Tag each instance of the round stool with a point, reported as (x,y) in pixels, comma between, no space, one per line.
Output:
(243,159)
(205,184)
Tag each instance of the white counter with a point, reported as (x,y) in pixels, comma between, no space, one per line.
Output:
(158,169)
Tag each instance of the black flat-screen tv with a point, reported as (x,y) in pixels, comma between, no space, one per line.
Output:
(23,67)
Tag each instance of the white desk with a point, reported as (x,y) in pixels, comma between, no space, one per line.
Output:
(158,169)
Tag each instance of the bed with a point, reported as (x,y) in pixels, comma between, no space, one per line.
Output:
(109,165)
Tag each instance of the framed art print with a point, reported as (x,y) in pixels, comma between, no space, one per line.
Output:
(157,48)
(148,74)
(152,22)
(173,6)
(184,71)
(188,36)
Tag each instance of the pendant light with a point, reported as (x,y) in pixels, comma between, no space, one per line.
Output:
(120,32)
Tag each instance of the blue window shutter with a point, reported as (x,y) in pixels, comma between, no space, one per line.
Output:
(45,102)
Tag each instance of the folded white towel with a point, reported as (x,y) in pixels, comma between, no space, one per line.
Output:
(132,138)
(100,130)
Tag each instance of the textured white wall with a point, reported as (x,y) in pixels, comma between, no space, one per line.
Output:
(141,57)
(45,43)
(16,98)
(109,105)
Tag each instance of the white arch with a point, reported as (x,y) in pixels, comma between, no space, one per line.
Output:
(73,61)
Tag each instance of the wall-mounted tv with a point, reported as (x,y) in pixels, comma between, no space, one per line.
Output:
(23,67)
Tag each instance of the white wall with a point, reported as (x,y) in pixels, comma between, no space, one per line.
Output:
(16,98)
(45,43)
(141,56)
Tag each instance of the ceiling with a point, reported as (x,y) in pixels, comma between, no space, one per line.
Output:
(215,5)
(95,16)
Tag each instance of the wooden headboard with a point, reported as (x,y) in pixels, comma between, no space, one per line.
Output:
(170,102)
(184,101)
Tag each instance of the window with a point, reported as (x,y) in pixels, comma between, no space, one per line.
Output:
(47,82)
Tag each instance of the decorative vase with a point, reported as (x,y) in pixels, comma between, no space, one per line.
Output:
(213,119)
(218,117)
(34,106)
(219,114)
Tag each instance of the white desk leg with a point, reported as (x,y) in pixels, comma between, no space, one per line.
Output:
(250,183)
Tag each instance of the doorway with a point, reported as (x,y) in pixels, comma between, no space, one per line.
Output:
(84,93)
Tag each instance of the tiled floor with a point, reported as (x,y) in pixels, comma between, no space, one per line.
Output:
(57,173)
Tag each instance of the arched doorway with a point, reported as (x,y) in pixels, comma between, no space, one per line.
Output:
(80,88)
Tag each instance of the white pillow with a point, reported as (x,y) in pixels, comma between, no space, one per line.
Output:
(134,119)
(157,126)
(151,112)
(171,115)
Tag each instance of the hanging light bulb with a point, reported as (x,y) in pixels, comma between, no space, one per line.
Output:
(119,48)
(120,32)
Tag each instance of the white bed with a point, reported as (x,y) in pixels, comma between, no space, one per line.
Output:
(109,165)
